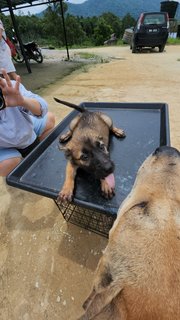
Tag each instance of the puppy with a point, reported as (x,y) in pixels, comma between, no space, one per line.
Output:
(138,276)
(87,148)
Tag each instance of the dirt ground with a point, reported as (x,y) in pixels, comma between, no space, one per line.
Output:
(46,264)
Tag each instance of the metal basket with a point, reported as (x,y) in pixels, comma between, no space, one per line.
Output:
(95,221)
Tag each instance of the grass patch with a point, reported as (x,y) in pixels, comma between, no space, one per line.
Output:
(87,55)
(91,57)
(173,41)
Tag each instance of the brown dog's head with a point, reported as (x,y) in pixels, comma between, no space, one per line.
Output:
(90,154)
(158,176)
(138,275)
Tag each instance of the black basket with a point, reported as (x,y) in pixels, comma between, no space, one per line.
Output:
(89,219)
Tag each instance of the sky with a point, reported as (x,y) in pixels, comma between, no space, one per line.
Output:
(37,9)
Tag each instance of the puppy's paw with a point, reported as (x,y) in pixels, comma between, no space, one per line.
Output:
(66,194)
(62,138)
(119,132)
(65,137)
(107,191)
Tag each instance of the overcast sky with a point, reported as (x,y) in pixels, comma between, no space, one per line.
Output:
(37,9)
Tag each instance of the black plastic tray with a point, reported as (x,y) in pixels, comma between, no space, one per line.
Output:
(43,170)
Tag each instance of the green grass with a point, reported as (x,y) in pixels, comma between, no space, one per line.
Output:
(87,55)
(173,41)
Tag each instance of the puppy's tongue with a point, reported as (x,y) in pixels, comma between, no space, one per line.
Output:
(110,180)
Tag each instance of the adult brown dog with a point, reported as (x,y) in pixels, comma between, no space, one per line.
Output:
(138,276)
(87,148)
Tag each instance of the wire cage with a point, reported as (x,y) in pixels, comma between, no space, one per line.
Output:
(89,219)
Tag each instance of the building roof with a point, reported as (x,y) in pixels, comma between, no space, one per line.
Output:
(20,4)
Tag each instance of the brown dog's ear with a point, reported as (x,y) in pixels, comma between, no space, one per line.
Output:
(96,304)
(104,291)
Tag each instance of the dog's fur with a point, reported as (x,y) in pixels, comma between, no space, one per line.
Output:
(87,148)
(138,276)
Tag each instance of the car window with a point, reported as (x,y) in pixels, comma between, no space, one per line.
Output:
(154,19)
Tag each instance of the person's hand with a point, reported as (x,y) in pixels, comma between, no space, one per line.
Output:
(10,91)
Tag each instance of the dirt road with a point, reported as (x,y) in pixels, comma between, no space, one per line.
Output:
(47,265)
(145,77)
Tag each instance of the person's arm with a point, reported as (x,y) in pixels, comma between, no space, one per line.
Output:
(1,32)
(16,95)
(31,105)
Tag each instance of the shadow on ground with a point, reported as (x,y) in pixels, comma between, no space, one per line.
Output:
(45,73)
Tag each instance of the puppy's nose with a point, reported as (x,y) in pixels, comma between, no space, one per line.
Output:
(109,166)
(166,150)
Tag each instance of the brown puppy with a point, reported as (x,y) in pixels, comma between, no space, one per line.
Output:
(87,148)
(138,276)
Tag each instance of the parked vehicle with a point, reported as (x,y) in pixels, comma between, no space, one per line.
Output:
(127,36)
(151,30)
(112,40)
(31,49)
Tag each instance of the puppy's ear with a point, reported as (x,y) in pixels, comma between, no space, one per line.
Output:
(105,289)
(68,153)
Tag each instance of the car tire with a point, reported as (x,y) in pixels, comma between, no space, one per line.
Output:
(161,48)
(133,48)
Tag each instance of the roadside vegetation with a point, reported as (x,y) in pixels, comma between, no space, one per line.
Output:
(81,32)
(173,41)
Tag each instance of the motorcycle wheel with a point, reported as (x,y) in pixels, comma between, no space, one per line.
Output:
(18,57)
(37,56)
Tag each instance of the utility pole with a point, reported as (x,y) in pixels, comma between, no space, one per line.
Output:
(64,28)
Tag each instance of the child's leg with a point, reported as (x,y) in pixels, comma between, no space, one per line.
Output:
(43,126)
(9,159)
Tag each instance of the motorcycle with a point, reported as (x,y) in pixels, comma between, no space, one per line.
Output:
(31,49)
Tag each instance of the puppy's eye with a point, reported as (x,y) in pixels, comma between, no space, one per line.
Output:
(102,147)
(84,157)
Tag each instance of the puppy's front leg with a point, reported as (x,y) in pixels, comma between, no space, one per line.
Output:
(66,193)
(65,137)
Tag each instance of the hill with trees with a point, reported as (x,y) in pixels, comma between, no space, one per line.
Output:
(120,8)
(81,30)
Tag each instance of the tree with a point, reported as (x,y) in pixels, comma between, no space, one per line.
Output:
(102,32)
(30,27)
(52,25)
(7,23)
(127,22)
(113,21)
(75,33)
